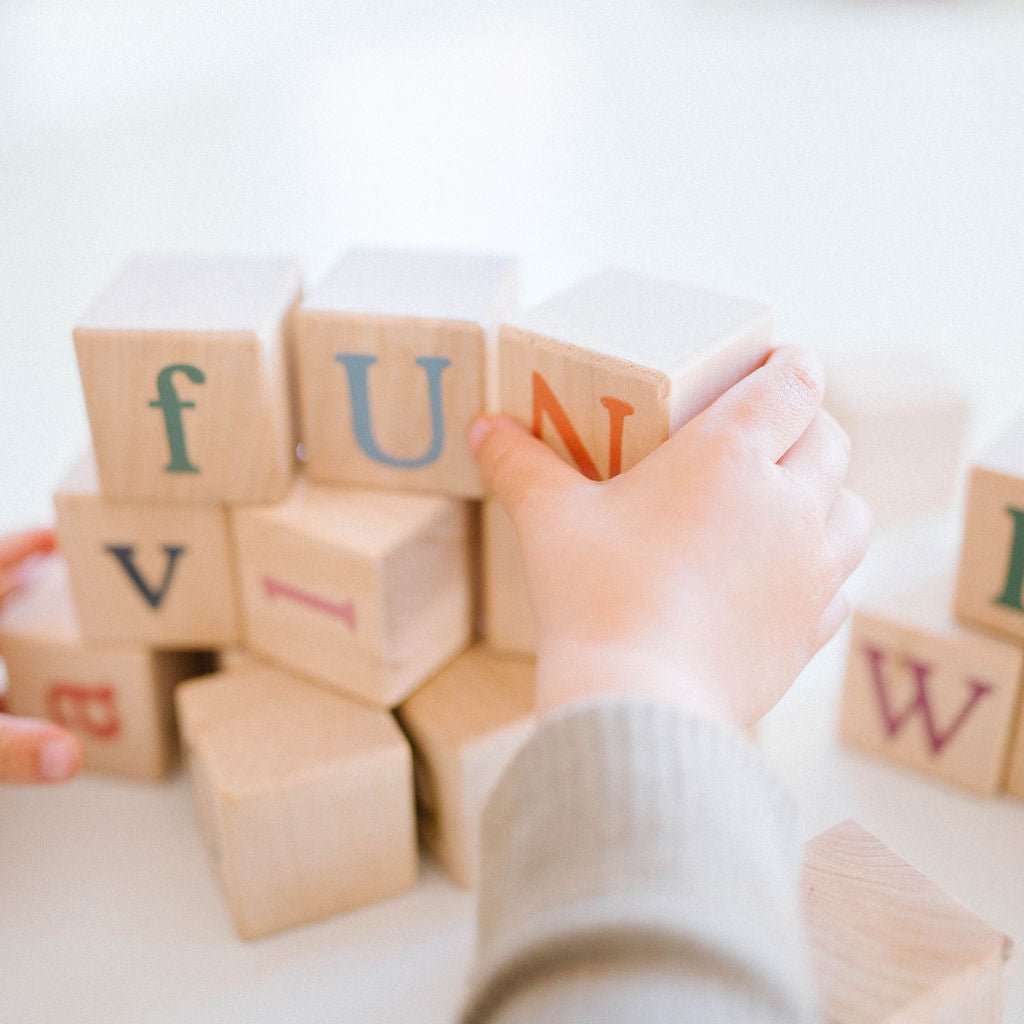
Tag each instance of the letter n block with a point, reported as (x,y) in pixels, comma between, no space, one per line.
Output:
(888,945)
(508,618)
(304,798)
(607,370)
(394,352)
(183,362)
(150,573)
(117,698)
(928,694)
(465,725)
(366,591)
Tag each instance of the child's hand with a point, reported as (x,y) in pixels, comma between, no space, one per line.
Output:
(31,750)
(708,574)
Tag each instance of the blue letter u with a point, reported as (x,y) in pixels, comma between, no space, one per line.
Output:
(358,366)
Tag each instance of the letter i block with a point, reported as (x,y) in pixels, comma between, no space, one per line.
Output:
(990,586)
(115,698)
(183,362)
(928,694)
(508,618)
(304,798)
(150,573)
(887,944)
(607,370)
(367,591)
(465,726)
(393,355)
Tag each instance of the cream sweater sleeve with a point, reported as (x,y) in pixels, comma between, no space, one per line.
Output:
(639,864)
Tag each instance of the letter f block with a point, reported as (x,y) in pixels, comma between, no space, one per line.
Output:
(184,364)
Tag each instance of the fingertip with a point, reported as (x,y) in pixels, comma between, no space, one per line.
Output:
(60,757)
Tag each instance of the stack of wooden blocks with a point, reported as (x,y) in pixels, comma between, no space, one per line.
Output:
(934,675)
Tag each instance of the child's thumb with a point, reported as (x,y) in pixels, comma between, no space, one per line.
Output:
(514,463)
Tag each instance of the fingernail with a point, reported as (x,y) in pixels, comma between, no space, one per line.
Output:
(57,760)
(478,430)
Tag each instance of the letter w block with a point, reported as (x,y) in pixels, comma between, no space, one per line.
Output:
(926,693)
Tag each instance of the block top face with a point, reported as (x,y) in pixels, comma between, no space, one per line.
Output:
(259,729)
(243,294)
(371,523)
(1006,454)
(42,608)
(430,285)
(655,324)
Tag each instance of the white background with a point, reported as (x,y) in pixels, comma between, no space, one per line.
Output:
(859,166)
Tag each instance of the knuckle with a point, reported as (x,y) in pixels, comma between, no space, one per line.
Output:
(803,379)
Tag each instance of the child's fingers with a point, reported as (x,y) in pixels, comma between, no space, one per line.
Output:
(820,458)
(848,532)
(19,546)
(831,620)
(514,463)
(32,750)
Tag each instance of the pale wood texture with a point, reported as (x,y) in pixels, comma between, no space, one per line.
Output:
(366,591)
(148,573)
(117,698)
(929,694)
(907,420)
(629,359)
(508,618)
(398,307)
(1015,766)
(986,595)
(305,798)
(465,725)
(888,946)
(227,318)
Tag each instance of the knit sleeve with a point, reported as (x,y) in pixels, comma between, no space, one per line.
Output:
(639,863)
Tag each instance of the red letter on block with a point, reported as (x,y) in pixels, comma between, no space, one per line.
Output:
(88,709)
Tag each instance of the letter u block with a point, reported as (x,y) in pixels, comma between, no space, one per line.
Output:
(394,353)
(608,369)
(150,573)
(928,694)
(366,591)
(117,698)
(304,798)
(465,726)
(184,364)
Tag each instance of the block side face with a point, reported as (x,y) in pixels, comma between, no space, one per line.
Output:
(943,705)
(988,589)
(618,412)
(508,618)
(1015,766)
(387,401)
(185,416)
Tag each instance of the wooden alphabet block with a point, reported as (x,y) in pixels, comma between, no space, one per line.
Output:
(607,370)
(305,798)
(465,725)
(888,945)
(149,573)
(929,694)
(183,362)
(508,618)
(116,698)
(991,578)
(367,591)
(394,352)
(1015,768)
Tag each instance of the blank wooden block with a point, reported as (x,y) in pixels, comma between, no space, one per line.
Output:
(184,366)
(367,591)
(927,693)
(149,573)
(907,419)
(1015,768)
(465,725)
(393,356)
(305,798)
(115,698)
(991,579)
(888,946)
(607,370)
(508,618)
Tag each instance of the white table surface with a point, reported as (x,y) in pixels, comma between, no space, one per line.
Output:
(860,166)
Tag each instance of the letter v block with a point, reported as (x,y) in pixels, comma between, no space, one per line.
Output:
(184,364)
(394,353)
(149,573)
(928,694)
(117,698)
(607,370)
(366,591)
